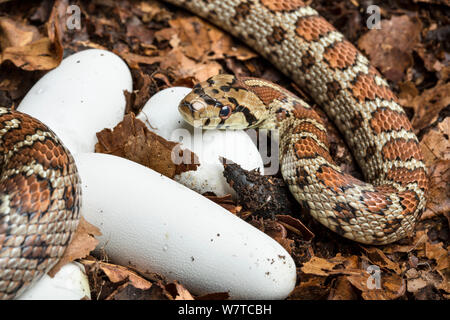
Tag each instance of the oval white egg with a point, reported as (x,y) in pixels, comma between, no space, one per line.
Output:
(164,227)
(69,283)
(160,113)
(162,117)
(82,96)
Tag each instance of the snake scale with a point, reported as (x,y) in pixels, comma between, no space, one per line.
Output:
(40,193)
(40,196)
(309,50)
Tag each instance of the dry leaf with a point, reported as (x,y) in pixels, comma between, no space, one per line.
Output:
(28,50)
(136,29)
(178,291)
(196,45)
(414,281)
(343,290)
(296,226)
(428,105)
(312,288)
(131,140)
(377,257)
(437,252)
(201,41)
(183,67)
(393,286)
(16,34)
(82,244)
(390,48)
(225,201)
(435,144)
(128,291)
(333,266)
(38,55)
(438,199)
(319,266)
(56,26)
(117,273)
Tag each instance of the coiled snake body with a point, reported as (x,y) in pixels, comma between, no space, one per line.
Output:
(311,52)
(39,186)
(39,201)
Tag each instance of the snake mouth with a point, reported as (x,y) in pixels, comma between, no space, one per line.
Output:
(186,111)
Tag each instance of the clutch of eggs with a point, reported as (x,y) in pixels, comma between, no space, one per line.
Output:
(147,220)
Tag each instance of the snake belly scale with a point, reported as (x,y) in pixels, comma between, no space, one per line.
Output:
(309,50)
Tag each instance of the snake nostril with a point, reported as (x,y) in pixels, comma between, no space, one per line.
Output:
(197,106)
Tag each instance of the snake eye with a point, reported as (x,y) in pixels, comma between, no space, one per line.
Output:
(225,112)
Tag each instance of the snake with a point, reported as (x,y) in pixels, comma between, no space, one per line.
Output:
(383,208)
(40,193)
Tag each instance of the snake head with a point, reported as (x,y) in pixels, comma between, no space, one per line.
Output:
(221,102)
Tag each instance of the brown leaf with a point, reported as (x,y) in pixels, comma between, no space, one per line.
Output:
(287,244)
(376,256)
(202,41)
(430,61)
(390,48)
(16,34)
(136,29)
(445,283)
(178,291)
(133,60)
(435,144)
(438,199)
(152,11)
(141,93)
(414,281)
(183,66)
(408,91)
(27,49)
(332,266)
(417,244)
(343,290)
(296,226)
(56,26)
(427,105)
(393,286)
(225,201)
(128,291)
(117,273)
(278,232)
(196,45)
(417,280)
(82,244)
(313,288)
(322,267)
(437,252)
(38,55)
(274,229)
